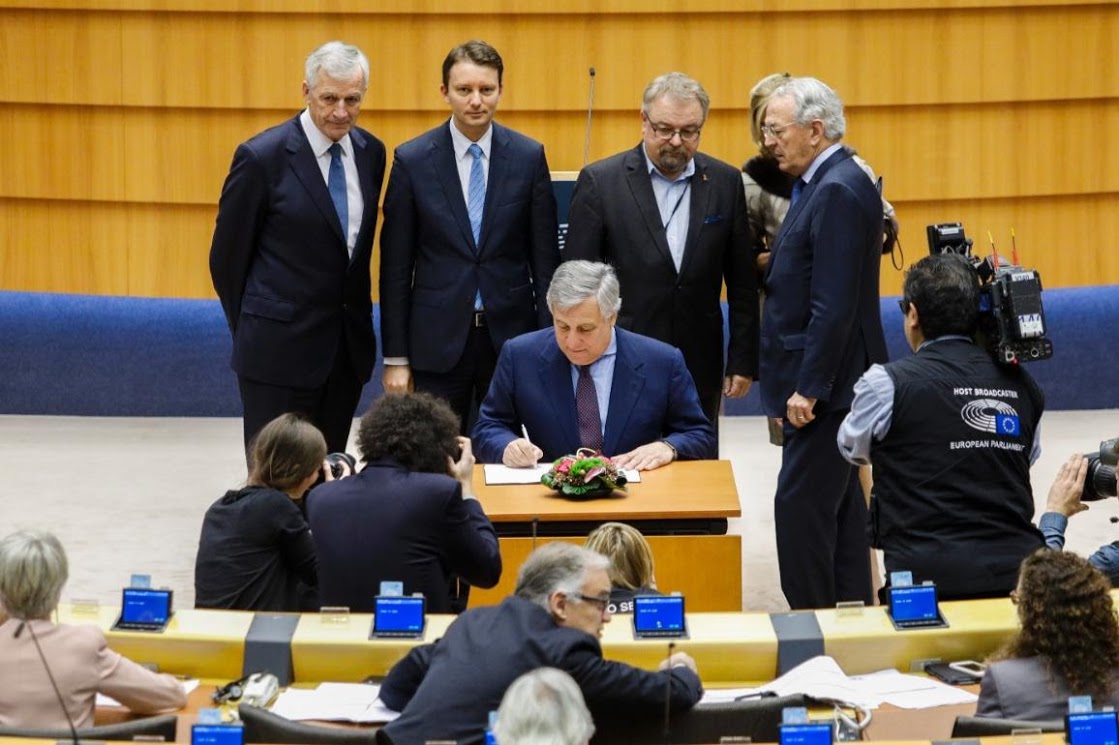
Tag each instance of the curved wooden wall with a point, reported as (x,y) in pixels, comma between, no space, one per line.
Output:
(119,117)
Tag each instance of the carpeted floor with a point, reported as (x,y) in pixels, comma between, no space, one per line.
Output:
(127,495)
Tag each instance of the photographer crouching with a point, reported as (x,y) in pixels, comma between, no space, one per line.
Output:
(952,434)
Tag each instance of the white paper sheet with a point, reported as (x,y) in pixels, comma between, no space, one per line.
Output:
(345,702)
(499,475)
(102,700)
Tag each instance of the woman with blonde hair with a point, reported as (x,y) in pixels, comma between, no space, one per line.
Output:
(631,563)
(1068,644)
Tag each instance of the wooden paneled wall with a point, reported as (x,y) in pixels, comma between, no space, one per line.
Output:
(119,117)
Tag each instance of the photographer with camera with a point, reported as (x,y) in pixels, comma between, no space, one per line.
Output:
(951,435)
(409,516)
(256,551)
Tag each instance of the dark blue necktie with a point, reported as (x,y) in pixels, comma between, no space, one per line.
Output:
(336,182)
(586,411)
(476,193)
(798,187)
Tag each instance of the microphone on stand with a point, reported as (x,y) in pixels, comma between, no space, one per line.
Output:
(50,676)
(590,111)
(535,524)
(668,695)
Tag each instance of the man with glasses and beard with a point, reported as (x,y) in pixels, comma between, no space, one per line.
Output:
(672,222)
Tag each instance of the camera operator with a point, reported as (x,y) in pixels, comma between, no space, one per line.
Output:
(409,516)
(952,435)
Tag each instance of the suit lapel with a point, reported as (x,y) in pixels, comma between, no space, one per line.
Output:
(365,179)
(555,376)
(307,170)
(642,190)
(625,392)
(445,168)
(700,196)
(806,194)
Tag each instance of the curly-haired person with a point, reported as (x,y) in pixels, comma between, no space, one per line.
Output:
(408,516)
(1068,644)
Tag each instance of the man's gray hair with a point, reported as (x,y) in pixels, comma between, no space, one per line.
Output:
(339,61)
(557,567)
(813,99)
(676,85)
(578,280)
(33,569)
(543,707)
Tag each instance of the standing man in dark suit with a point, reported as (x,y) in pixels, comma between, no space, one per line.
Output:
(291,249)
(821,330)
(469,243)
(673,223)
(585,383)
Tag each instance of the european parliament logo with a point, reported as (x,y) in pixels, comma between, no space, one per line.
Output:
(992,416)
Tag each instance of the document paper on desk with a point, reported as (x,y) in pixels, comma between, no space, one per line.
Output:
(335,702)
(499,475)
(821,677)
(102,700)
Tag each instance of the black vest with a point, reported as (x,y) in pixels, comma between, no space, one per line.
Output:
(952,498)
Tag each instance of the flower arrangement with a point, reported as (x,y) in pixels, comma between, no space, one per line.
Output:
(585,474)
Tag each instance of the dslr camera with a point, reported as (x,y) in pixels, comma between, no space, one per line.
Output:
(337,463)
(1011,317)
(1100,481)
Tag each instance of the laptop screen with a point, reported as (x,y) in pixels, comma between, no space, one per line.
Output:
(913,603)
(217,734)
(812,733)
(658,613)
(145,606)
(1092,728)
(402,614)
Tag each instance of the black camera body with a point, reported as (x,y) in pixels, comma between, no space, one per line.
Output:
(338,461)
(1100,481)
(1011,315)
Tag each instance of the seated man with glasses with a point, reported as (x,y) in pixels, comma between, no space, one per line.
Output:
(951,435)
(672,222)
(554,619)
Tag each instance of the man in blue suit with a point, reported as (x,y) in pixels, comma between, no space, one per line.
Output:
(291,249)
(821,330)
(469,243)
(586,383)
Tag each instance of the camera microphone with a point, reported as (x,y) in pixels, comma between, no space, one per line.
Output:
(535,524)
(590,111)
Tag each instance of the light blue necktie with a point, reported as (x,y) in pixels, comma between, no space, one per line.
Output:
(336,182)
(798,187)
(476,193)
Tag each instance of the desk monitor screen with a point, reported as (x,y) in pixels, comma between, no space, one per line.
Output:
(144,609)
(398,617)
(1092,728)
(915,607)
(217,734)
(659,616)
(811,733)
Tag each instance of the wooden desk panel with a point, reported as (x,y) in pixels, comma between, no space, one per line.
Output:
(707,569)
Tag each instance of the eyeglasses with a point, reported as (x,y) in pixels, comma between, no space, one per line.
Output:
(602,603)
(664,132)
(768,130)
(904,305)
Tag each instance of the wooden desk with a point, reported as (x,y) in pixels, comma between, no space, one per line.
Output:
(682,508)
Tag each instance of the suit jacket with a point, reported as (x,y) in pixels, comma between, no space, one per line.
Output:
(652,398)
(446,689)
(83,666)
(389,523)
(614,218)
(430,267)
(1023,689)
(279,262)
(822,326)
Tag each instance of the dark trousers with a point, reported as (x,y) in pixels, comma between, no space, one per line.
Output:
(820,516)
(466,384)
(329,406)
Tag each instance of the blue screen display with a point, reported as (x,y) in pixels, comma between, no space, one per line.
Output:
(658,613)
(217,734)
(398,614)
(145,606)
(816,733)
(914,603)
(1093,728)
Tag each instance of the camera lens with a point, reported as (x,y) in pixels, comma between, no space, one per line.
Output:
(1100,481)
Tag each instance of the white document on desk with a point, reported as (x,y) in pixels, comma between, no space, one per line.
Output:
(499,475)
(335,702)
(102,700)
(912,691)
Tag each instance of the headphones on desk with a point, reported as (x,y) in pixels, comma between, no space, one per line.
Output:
(231,691)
